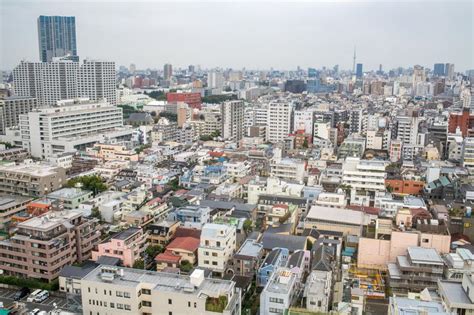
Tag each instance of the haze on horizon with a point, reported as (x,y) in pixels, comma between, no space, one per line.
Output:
(252,35)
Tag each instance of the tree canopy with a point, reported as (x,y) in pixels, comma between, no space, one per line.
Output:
(93,183)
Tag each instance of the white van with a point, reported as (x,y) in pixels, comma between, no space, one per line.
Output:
(32,296)
(40,297)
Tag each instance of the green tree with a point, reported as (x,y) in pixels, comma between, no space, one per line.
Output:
(7,145)
(93,183)
(157,95)
(95,213)
(169,115)
(185,266)
(139,264)
(305,143)
(153,250)
(217,99)
(247,226)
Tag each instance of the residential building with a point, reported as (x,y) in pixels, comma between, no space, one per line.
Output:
(318,291)
(11,108)
(278,294)
(127,245)
(179,250)
(232,120)
(247,259)
(419,269)
(218,245)
(349,222)
(31,179)
(468,155)
(458,298)
(109,289)
(57,37)
(72,125)
(215,80)
(43,245)
(70,198)
(275,259)
(403,305)
(193,216)
(167,71)
(9,206)
(61,79)
(280,120)
(288,169)
(161,233)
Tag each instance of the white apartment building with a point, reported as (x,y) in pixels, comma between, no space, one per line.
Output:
(12,107)
(71,125)
(407,129)
(280,121)
(111,290)
(318,290)
(303,119)
(50,82)
(333,200)
(468,155)
(279,292)
(97,80)
(232,120)
(215,80)
(366,177)
(287,168)
(237,169)
(217,246)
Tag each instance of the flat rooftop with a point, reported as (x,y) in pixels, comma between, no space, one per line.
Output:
(125,233)
(163,281)
(68,193)
(250,248)
(422,255)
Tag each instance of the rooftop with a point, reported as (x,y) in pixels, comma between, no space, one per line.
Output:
(123,235)
(250,248)
(68,193)
(424,255)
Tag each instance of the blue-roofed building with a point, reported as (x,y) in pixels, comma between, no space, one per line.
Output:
(275,259)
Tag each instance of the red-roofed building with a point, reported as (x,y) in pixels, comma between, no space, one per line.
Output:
(368,210)
(180,249)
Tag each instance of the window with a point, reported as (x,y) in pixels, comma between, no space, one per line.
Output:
(170,313)
(146,291)
(119,294)
(276,300)
(146,303)
(189,304)
(126,295)
(214,254)
(275,310)
(127,307)
(170,301)
(214,263)
(119,306)
(112,305)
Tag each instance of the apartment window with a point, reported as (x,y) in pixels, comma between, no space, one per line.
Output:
(126,295)
(189,304)
(206,262)
(112,305)
(119,294)
(170,301)
(146,303)
(105,292)
(89,289)
(195,304)
(119,306)
(170,313)
(276,300)
(127,307)
(275,310)
(214,263)
(146,291)
(214,254)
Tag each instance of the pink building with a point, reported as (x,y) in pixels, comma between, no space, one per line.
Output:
(376,253)
(127,245)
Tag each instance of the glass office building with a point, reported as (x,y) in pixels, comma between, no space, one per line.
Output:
(57,37)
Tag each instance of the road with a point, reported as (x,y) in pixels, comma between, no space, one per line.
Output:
(6,296)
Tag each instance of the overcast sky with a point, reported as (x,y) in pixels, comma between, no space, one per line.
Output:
(253,35)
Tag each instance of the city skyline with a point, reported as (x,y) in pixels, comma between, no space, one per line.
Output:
(281,39)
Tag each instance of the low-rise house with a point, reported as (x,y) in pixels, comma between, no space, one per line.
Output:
(162,232)
(299,264)
(192,216)
(127,245)
(457,264)
(276,258)
(247,259)
(179,250)
(291,242)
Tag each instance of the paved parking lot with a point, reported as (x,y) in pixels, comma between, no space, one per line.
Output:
(6,296)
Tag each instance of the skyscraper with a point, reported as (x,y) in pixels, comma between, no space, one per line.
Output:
(167,71)
(449,70)
(438,69)
(57,37)
(359,71)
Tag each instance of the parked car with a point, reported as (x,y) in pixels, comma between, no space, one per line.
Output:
(32,296)
(20,294)
(40,297)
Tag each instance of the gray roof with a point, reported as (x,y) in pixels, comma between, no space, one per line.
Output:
(291,242)
(125,233)
(215,204)
(424,255)
(108,260)
(250,248)
(454,293)
(77,272)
